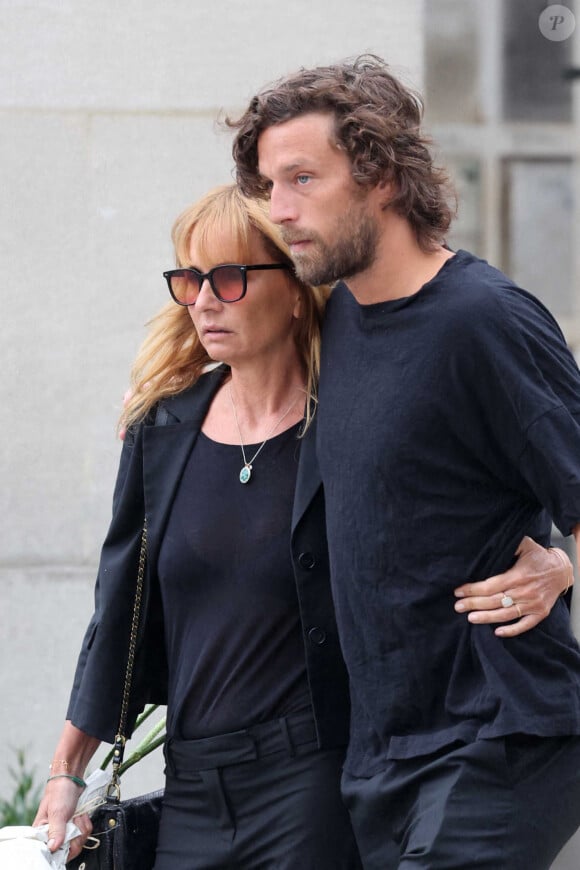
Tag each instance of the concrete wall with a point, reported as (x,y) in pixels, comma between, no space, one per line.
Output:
(107,130)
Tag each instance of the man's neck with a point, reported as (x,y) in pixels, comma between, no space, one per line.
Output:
(401,267)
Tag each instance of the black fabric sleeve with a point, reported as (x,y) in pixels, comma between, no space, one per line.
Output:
(515,361)
(95,700)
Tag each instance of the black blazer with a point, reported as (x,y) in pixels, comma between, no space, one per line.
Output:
(152,461)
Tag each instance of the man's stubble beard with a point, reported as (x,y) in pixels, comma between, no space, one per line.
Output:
(353,250)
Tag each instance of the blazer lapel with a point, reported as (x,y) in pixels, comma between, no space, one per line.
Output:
(308,479)
(167,447)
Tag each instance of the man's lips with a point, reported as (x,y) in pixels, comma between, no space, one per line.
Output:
(291,237)
(298,244)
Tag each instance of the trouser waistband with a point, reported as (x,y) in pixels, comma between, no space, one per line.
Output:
(294,734)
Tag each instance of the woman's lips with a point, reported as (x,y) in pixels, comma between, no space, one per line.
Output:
(214,330)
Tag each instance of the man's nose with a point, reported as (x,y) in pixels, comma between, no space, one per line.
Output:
(282,207)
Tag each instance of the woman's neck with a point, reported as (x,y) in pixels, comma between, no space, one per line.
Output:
(259,395)
(253,401)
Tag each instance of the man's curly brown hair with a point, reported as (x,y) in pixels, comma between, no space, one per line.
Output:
(377,123)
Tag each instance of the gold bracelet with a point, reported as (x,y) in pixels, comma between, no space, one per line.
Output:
(566,564)
(62,761)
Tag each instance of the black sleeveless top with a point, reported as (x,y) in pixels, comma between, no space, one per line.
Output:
(232,623)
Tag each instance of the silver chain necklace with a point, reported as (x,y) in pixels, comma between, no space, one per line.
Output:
(246,470)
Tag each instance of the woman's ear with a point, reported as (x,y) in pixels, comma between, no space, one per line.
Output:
(297,310)
(297,292)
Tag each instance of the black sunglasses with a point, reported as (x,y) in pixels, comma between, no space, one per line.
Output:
(228,282)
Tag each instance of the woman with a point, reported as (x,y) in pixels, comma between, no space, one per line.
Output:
(238,629)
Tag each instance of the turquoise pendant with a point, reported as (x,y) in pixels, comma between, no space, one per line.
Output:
(245,473)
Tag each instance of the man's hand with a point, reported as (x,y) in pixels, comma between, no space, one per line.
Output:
(533,584)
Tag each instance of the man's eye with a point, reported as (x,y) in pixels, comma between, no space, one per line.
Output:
(302,179)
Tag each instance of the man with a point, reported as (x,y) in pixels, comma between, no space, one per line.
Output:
(449,412)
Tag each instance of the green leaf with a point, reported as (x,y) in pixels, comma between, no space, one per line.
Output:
(154,738)
(21,808)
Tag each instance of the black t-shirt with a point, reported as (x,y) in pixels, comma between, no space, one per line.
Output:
(448,428)
(234,639)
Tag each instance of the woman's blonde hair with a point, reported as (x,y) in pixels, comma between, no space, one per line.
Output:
(172,358)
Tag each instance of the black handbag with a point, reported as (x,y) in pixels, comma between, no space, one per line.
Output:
(125,835)
(124,832)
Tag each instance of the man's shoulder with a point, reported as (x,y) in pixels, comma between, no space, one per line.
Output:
(482,312)
(475,288)
(468,279)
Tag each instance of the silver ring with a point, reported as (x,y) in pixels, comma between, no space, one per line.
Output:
(507,600)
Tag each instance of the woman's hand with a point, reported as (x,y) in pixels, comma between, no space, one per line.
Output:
(533,585)
(61,794)
(57,807)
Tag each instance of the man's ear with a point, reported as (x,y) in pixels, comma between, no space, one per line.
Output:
(386,191)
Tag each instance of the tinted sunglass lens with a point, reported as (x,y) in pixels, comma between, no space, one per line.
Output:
(185,286)
(228,282)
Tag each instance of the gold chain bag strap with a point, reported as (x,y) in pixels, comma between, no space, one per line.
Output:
(126,830)
(114,789)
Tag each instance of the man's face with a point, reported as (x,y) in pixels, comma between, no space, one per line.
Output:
(328,221)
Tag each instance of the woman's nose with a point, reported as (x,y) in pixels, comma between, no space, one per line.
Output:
(206,295)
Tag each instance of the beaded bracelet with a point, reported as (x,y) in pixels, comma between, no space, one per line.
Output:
(76,779)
